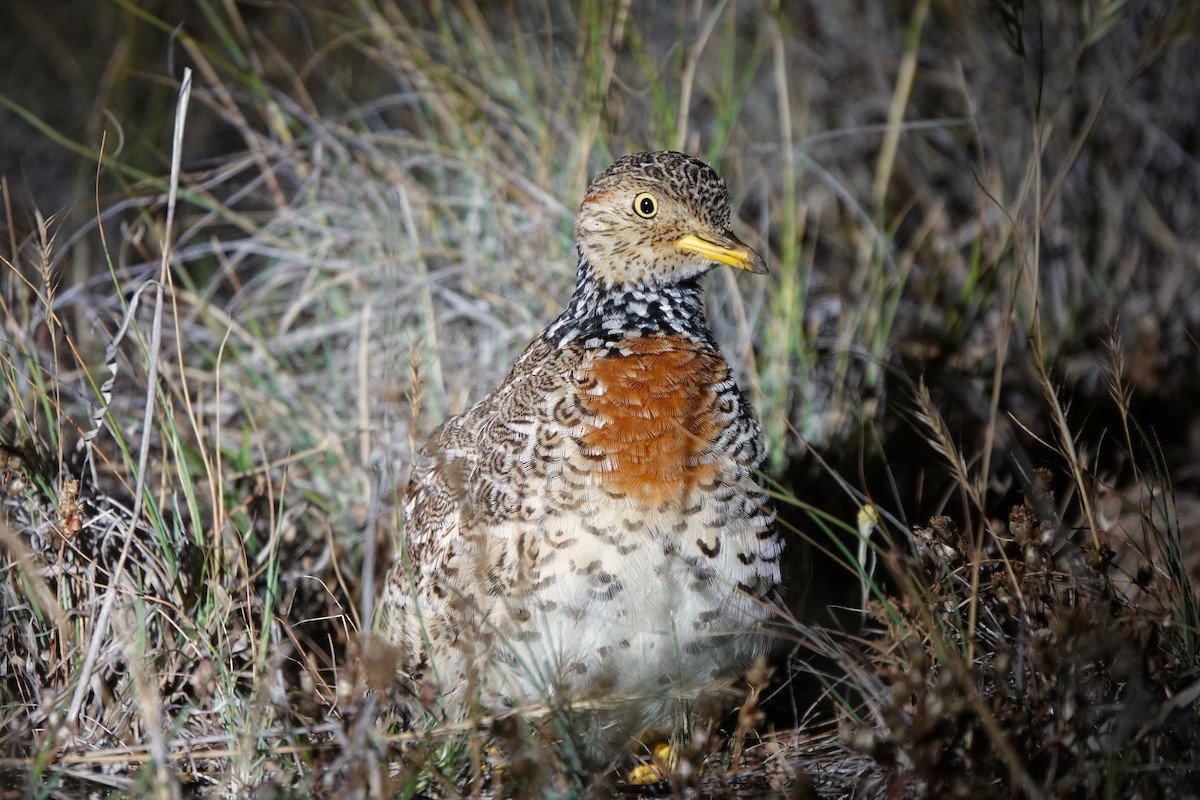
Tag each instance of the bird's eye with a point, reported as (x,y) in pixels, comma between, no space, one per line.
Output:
(645,205)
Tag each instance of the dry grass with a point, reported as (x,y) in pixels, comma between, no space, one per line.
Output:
(983,312)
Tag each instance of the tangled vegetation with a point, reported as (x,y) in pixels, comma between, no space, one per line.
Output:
(976,362)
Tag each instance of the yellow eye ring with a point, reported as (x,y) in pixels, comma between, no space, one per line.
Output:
(645,205)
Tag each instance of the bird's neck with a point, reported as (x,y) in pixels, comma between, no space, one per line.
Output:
(602,313)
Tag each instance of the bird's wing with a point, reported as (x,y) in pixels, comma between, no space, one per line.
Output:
(473,503)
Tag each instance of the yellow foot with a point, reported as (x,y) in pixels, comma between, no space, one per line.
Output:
(661,763)
(492,762)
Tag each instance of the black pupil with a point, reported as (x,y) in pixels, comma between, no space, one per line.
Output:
(647,205)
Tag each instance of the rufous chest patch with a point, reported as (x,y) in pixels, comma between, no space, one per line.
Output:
(654,417)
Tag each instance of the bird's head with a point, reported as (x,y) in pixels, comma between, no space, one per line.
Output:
(656,219)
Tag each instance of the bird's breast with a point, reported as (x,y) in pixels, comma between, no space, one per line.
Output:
(654,408)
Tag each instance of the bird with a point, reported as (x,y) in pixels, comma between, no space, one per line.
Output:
(591,535)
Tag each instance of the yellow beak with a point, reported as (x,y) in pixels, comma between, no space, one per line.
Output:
(724,250)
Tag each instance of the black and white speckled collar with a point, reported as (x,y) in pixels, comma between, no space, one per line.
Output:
(601,315)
